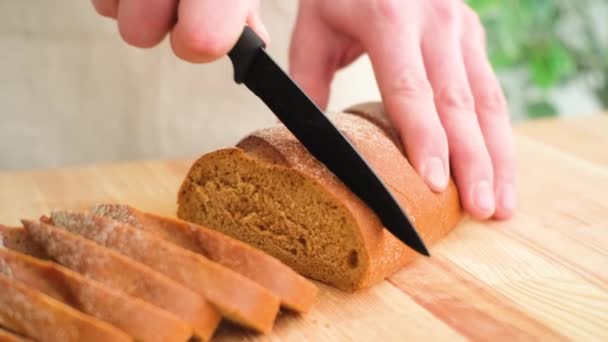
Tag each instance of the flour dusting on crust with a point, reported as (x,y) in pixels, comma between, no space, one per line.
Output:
(5,269)
(120,213)
(89,226)
(355,128)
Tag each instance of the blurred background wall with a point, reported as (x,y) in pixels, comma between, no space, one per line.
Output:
(71,92)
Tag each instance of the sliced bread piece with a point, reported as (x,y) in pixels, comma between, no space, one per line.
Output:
(119,272)
(141,320)
(16,238)
(38,316)
(9,336)
(238,298)
(272,194)
(296,292)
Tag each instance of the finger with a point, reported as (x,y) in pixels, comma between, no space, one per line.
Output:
(144,23)
(492,114)
(255,22)
(469,157)
(407,95)
(206,29)
(107,8)
(312,56)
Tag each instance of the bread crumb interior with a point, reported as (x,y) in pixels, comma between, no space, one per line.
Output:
(277,210)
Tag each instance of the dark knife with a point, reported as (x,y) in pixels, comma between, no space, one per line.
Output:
(254,67)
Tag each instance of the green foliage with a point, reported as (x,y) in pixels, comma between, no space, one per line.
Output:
(525,34)
(549,64)
(540,109)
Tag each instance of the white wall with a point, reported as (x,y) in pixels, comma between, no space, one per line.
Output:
(72,92)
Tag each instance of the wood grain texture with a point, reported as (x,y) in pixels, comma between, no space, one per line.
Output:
(541,276)
(580,136)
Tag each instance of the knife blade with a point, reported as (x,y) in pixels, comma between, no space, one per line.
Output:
(258,71)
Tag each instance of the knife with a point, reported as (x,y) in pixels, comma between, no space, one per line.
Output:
(254,67)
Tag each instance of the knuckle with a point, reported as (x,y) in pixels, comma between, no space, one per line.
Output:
(470,16)
(137,38)
(411,85)
(103,11)
(388,10)
(490,100)
(445,11)
(455,97)
(105,8)
(197,41)
(473,23)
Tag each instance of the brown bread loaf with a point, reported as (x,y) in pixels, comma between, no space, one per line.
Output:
(35,315)
(141,320)
(238,298)
(119,272)
(272,194)
(296,292)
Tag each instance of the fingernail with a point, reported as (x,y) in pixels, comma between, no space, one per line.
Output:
(507,197)
(434,174)
(483,197)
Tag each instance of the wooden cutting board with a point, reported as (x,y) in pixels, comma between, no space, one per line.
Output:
(541,275)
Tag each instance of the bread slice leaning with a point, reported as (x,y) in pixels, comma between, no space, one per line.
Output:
(8,336)
(118,272)
(17,239)
(35,315)
(238,298)
(272,194)
(296,292)
(137,318)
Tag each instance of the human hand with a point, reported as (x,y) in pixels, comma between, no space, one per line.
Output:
(436,82)
(200,30)
(428,57)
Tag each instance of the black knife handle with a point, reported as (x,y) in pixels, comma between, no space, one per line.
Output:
(243,53)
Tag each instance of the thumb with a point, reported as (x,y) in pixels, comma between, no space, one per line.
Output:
(312,58)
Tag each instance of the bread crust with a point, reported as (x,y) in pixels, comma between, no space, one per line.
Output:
(238,298)
(135,317)
(16,238)
(433,214)
(296,292)
(368,128)
(119,272)
(8,336)
(43,318)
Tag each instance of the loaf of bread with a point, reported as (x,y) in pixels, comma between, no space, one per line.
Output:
(141,320)
(272,194)
(238,298)
(115,271)
(296,292)
(33,314)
